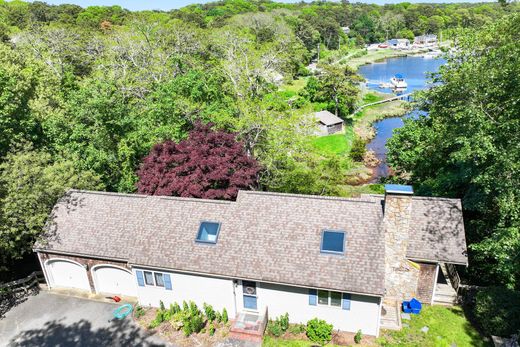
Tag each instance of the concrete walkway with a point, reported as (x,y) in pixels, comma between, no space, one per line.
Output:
(49,319)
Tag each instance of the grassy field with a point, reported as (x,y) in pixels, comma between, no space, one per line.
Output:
(339,144)
(295,86)
(447,327)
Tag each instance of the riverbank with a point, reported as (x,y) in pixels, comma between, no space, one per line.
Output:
(360,57)
(362,126)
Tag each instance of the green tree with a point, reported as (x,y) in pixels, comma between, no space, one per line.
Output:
(30,184)
(338,85)
(468,146)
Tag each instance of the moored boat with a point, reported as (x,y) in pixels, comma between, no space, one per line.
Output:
(398,82)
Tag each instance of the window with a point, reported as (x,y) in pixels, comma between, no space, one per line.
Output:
(159,279)
(326,298)
(335,299)
(208,232)
(333,242)
(323,297)
(148,278)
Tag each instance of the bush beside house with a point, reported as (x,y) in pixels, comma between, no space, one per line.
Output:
(497,311)
(186,320)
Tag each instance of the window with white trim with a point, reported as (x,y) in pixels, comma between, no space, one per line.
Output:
(327,298)
(153,279)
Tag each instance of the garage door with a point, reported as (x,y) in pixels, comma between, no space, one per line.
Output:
(113,280)
(67,274)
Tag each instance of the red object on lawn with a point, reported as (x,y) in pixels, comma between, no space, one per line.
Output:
(116,298)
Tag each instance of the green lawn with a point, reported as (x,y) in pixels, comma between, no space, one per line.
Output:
(447,327)
(295,86)
(335,144)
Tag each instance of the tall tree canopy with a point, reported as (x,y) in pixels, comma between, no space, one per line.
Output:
(31,183)
(469,146)
(208,164)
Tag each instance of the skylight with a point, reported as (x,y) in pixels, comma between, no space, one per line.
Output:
(208,232)
(333,241)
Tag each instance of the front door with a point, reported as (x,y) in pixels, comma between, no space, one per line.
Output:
(250,298)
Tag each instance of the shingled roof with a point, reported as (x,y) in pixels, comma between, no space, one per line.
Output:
(437,231)
(328,118)
(266,237)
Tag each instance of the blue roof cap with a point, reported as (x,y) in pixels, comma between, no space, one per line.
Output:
(398,75)
(398,189)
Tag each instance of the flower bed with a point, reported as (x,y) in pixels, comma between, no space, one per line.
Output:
(185,326)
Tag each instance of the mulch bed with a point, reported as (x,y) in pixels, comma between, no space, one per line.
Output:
(169,333)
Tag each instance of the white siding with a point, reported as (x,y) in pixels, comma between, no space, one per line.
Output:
(220,293)
(217,292)
(363,313)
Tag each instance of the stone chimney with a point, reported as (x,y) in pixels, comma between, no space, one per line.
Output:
(400,274)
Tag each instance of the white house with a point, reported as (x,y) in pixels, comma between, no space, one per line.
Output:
(426,40)
(399,43)
(309,256)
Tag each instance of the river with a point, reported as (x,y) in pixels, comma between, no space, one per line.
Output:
(415,71)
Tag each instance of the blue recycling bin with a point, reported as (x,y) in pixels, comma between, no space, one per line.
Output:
(413,306)
(406,307)
(416,306)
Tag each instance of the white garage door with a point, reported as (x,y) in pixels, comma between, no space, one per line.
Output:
(67,274)
(113,280)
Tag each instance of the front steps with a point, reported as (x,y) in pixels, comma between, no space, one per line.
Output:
(391,315)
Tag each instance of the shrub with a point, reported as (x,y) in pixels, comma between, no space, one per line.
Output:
(139,311)
(274,328)
(279,325)
(284,321)
(185,306)
(159,318)
(210,312)
(161,306)
(218,316)
(497,311)
(358,150)
(211,330)
(176,308)
(358,336)
(319,331)
(224,316)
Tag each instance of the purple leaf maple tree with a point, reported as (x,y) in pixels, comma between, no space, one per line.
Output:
(209,164)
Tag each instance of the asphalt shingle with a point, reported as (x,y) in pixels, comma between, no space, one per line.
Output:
(264,236)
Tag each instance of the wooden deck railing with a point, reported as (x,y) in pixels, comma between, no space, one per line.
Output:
(22,285)
(453,276)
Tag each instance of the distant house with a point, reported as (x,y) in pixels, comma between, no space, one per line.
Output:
(398,43)
(349,261)
(328,123)
(425,39)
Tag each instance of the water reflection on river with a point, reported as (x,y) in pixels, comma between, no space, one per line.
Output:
(415,71)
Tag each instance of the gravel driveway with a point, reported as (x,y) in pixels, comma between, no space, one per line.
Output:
(49,319)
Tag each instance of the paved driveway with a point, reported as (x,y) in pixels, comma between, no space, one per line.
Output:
(49,319)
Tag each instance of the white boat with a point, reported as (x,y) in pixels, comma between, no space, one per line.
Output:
(432,54)
(398,82)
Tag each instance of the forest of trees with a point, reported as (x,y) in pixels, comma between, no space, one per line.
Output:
(86,93)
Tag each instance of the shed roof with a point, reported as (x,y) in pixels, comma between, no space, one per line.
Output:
(266,237)
(327,118)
